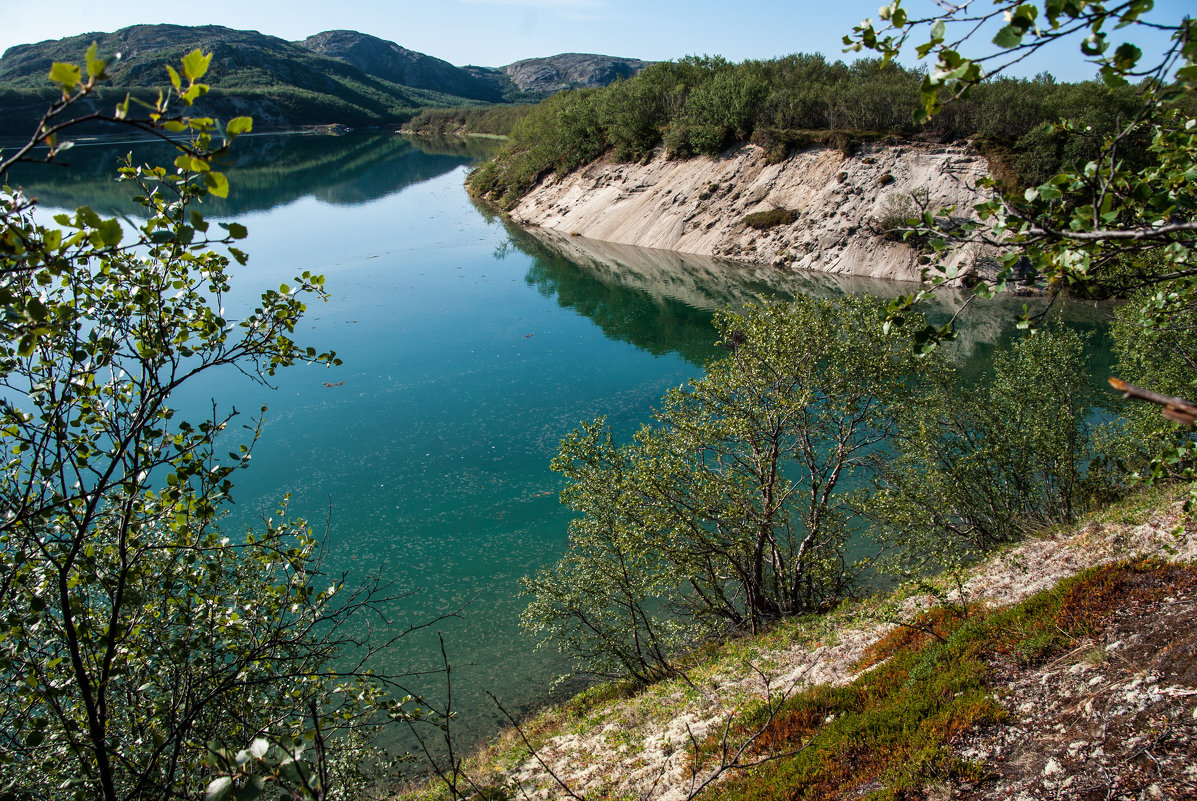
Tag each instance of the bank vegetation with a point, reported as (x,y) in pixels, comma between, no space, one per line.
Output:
(702,105)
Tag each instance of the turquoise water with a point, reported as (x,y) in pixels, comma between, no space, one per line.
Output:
(470,349)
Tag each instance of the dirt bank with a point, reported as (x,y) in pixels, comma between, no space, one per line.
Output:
(1115,714)
(699,205)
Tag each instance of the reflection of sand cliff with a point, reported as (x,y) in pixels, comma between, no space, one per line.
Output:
(708,283)
(704,282)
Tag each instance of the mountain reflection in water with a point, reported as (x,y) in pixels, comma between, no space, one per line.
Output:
(265,171)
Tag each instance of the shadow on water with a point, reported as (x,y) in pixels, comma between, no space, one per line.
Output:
(663,302)
(266,171)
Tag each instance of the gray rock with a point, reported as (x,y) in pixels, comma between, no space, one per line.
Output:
(571,71)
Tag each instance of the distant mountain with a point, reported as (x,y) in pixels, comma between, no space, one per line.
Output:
(571,71)
(502,83)
(396,64)
(281,84)
(530,79)
(335,77)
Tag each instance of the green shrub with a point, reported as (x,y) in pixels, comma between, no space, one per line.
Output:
(763,220)
(702,106)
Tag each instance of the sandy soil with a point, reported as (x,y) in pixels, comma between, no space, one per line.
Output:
(640,749)
(698,205)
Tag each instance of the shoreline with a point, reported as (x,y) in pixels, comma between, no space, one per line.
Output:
(615,742)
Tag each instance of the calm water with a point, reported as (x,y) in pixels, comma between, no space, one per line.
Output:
(469,351)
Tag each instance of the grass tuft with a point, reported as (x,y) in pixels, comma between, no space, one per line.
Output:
(763,220)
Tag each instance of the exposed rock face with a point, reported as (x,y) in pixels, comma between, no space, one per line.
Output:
(396,64)
(699,205)
(571,71)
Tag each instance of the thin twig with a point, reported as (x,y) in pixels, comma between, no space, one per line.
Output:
(535,754)
(1178,409)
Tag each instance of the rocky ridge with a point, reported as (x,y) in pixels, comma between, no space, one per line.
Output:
(571,71)
(332,78)
(399,65)
(839,203)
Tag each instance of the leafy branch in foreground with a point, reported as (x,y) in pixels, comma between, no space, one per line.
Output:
(34,256)
(1110,225)
(1078,230)
(136,631)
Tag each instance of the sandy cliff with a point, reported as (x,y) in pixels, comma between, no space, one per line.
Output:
(698,206)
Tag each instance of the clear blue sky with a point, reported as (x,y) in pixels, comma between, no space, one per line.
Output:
(497,32)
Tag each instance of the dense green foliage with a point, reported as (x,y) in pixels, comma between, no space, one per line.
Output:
(729,510)
(703,105)
(1125,220)
(976,467)
(735,508)
(490,121)
(140,640)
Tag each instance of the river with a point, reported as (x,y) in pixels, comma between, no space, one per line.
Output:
(470,349)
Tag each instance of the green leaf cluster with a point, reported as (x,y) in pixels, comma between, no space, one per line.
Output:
(1118,217)
(972,468)
(135,630)
(729,511)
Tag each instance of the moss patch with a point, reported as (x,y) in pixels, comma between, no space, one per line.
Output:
(772,218)
(886,734)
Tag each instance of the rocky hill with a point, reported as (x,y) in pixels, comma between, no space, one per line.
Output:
(135,55)
(396,64)
(571,71)
(529,79)
(281,84)
(334,77)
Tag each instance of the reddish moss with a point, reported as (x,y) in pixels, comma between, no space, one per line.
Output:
(887,734)
(933,624)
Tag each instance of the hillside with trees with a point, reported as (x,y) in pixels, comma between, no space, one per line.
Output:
(283,84)
(332,78)
(703,105)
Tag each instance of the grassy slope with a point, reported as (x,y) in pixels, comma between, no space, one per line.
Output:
(280,84)
(880,721)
